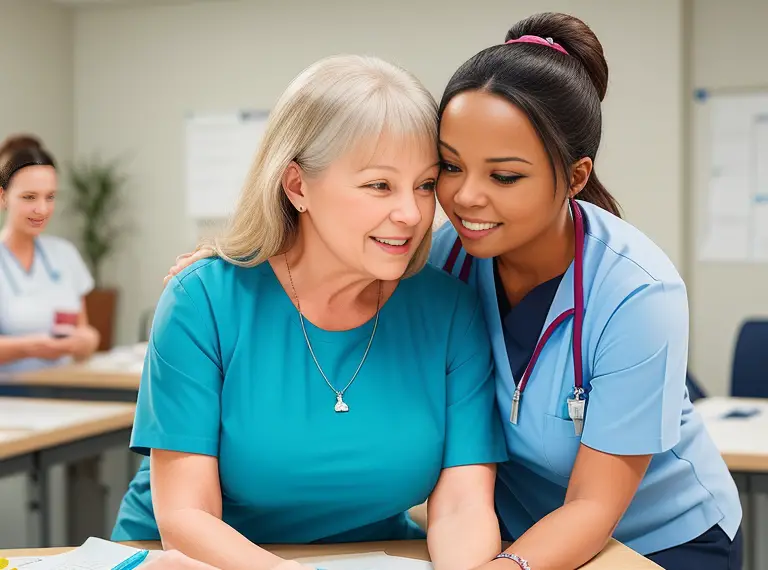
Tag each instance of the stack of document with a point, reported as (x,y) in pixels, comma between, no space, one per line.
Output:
(98,554)
(94,554)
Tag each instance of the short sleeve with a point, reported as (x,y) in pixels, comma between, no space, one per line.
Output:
(178,406)
(637,389)
(473,425)
(81,276)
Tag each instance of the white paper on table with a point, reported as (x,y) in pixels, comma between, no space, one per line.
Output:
(735,435)
(366,561)
(20,561)
(127,359)
(10,435)
(19,415)
(94,554)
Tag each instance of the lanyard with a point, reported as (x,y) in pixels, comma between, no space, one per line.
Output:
(52,273)
(576,403)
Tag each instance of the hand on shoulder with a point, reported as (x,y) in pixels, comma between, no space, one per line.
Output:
(185,260)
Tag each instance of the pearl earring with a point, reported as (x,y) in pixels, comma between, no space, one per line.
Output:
(300,208)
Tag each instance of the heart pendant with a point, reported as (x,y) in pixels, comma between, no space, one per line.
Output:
(341,405)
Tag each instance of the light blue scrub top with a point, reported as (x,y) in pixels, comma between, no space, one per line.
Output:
(57,281)
(228,374)
(635,351)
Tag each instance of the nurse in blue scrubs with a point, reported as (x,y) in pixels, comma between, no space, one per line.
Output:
(588,318)
(296,388)
(43,279)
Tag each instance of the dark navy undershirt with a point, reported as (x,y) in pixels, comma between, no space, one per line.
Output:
(522,323)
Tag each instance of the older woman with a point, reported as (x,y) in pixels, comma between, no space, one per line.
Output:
(297,388)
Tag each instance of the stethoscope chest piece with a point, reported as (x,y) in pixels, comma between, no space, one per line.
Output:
(576,405)
(53,274)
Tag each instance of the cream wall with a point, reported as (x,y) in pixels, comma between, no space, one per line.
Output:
(37,75)
(36,88)
(139,69)
(728,52)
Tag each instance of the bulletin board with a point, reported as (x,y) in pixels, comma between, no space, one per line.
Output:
(219,150)
(731,163)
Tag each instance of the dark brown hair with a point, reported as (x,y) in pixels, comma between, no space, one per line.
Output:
(560,94)
(20,151)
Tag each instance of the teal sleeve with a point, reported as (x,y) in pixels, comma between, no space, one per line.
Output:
(473,424)
(178,406)
(636,394)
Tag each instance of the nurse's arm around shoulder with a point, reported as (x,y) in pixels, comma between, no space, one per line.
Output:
(178,418)
(463,531)
(634,410)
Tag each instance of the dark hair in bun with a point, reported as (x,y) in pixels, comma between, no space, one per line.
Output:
(20,151)
(559,92)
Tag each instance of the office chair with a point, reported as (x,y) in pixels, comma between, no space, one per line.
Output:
(145,324)
(749,378)
(695,392)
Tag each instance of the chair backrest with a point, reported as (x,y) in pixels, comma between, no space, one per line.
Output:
(749,378)
(695,392)
(145,324)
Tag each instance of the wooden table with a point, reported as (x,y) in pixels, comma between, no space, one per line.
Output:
(36,434)
(111,376)
(743,443)
(615,556)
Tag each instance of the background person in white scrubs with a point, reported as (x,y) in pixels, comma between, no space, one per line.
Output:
(43,279)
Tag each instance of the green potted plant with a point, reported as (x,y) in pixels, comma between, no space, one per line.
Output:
(95,191)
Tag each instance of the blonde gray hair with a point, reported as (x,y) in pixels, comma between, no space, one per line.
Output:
(329,108)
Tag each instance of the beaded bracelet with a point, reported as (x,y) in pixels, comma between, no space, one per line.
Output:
(515,558)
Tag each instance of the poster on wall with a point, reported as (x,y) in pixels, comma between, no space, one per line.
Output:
(219,150)
(735,224)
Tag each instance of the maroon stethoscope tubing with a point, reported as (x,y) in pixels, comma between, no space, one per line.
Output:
(577,311)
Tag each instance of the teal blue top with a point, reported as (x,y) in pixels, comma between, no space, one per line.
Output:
(228,374)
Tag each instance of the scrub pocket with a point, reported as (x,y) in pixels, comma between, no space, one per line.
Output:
(560,445)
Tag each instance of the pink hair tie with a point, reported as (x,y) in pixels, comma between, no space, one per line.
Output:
(549,42)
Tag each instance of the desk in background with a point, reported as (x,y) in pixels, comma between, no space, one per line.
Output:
(112,376)
(615,556)
(37,434)
(743,443)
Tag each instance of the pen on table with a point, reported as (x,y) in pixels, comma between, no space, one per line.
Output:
(132,561)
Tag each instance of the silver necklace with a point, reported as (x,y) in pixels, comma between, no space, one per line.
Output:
(341,405)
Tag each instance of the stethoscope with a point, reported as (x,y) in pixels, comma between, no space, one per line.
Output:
(54,275)
(577,401)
